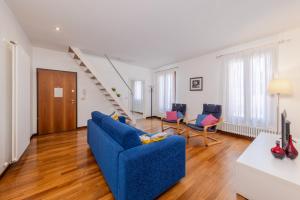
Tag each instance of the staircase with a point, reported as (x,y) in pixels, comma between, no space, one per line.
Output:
(109,95)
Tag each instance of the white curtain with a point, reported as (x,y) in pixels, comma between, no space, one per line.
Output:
(245,97)
(137,105)
(165,90)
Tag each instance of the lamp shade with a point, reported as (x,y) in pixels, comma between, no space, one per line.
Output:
(280,86)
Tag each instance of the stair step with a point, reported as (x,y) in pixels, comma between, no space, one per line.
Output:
(103,89)
(111,100)
(87,71)
(93,77)
(106,94)
(76,57)
(116,104)
(70,50)
(98,83)
(82,64)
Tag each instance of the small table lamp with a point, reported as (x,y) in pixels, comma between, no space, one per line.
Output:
(279,87)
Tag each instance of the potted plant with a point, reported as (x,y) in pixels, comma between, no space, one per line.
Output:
(113,89)
(118,95)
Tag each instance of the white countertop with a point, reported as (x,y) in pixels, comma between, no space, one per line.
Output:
(258,156)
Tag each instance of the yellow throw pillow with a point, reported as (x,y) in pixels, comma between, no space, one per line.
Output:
(115,116)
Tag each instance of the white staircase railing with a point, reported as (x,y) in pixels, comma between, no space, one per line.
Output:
(91,71)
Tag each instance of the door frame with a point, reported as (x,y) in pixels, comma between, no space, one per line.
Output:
(37,94)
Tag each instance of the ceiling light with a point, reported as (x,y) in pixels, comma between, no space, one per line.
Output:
(57,28)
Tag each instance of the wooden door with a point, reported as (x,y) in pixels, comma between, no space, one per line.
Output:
(57,101)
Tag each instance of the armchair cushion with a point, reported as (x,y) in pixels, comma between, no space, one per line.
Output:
(215,110)
(178,107)
(171,116)
(180,115)
(200,128)
(199,120)
(209,120)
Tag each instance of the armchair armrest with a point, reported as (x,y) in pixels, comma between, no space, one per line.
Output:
(148,170)
(192,120)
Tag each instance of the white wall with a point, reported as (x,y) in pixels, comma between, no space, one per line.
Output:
(209,67)
(9,30)
(94,100)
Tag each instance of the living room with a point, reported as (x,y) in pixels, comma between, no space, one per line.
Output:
(149,99)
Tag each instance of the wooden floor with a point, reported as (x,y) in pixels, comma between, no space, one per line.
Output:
(61,166)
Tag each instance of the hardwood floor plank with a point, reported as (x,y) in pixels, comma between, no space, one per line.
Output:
(61,166)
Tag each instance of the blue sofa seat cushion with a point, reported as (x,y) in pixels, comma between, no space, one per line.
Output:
(98,117)
(125,135)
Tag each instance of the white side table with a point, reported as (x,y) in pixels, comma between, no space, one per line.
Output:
(260,176)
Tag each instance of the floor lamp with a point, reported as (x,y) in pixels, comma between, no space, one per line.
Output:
(279,87)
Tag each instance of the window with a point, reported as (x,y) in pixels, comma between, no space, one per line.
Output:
(166,90)
(246,100)
(138,90)
(138,93)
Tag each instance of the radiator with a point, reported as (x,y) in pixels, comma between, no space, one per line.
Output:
(244,130)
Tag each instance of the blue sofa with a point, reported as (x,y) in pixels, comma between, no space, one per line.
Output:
(131,169)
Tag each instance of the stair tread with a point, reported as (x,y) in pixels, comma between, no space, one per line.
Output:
(82,64)
(76,57)
(70,50)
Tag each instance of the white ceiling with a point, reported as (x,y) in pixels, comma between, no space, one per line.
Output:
(152,33)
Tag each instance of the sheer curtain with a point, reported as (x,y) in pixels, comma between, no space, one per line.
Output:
(245,97)
(165,90)
(137,105)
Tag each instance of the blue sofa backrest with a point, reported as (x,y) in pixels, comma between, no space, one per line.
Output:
(98,117)
(125,135)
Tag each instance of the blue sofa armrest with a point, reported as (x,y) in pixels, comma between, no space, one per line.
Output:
(148,170)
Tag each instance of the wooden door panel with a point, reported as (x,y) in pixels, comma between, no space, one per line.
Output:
(56,114)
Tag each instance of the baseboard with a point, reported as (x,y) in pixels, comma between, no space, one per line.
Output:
(236,135)
(33,135)
(153,117)
(81,127)
(5,170)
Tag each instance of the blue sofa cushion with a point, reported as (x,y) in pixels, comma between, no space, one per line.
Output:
(125,135)
(98,117)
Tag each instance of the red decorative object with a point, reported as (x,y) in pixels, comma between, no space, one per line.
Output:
(290,150)
(277,151)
